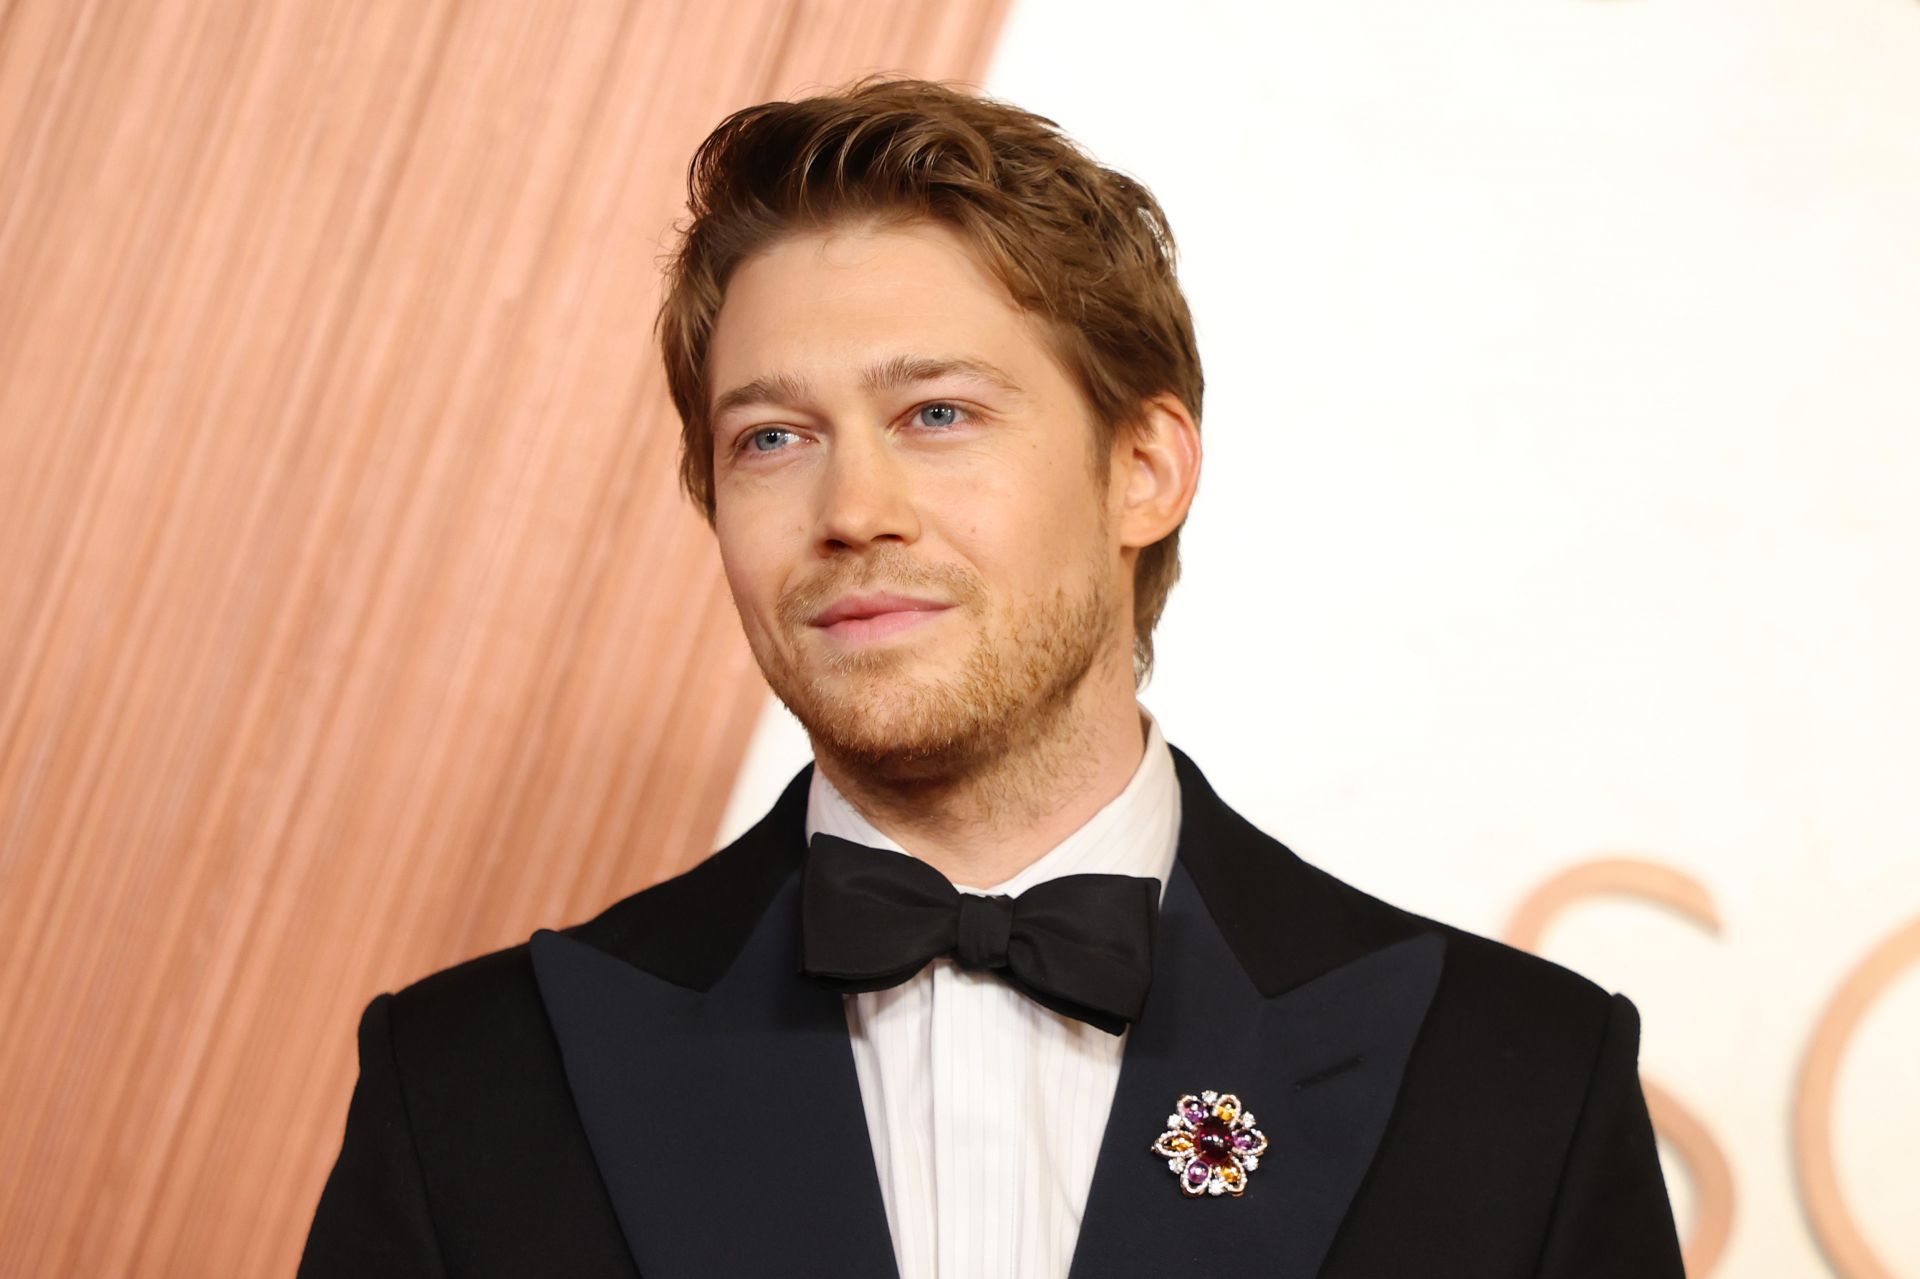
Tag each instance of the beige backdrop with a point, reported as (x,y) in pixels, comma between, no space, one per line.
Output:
(350,622)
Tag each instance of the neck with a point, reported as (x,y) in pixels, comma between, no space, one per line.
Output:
(987,824)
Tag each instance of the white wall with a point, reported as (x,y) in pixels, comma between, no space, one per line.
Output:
(1561,496)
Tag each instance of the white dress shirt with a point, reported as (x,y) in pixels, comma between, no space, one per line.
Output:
(985,1109)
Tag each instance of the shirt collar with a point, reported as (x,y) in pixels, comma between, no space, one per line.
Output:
(1135,833)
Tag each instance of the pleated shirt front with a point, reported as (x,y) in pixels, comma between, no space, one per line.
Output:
(986,1110)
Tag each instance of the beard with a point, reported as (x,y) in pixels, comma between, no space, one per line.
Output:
(882,712)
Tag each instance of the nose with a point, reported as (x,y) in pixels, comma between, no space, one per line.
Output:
(866,493)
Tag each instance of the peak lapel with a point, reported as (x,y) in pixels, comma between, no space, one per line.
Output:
(725,1118)
(1278,983)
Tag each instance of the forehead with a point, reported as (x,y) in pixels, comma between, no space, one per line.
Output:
(828,306)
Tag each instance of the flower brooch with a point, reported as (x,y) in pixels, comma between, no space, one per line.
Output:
(1210,1144)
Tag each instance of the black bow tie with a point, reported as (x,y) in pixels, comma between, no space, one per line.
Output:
(1081,945)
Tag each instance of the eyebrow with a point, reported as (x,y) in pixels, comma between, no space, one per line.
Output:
(884,375)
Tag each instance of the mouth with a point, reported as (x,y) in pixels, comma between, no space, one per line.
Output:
(859,619)
(862,630)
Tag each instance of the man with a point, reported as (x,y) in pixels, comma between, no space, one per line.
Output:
(999,986)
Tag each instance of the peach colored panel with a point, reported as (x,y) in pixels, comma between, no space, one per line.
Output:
(351,623)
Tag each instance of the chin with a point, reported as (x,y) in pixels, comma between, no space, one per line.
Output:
(883,721)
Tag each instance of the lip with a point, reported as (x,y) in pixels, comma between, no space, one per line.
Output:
(864,630)
(872,607)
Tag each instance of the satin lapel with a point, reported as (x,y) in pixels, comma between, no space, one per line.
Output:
(1307,1008)
(727,1125)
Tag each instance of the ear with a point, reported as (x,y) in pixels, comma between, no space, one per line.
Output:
(1155,470)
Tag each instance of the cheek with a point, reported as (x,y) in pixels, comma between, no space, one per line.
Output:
(752,572)
(1022,541)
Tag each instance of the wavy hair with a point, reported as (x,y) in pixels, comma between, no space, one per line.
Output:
(1083,248)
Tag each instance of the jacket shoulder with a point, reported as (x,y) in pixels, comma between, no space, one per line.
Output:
(1504,1067)
(685,929)
(505,1164)
(1500,1014)
(1513,1038)
(1497,984)
(1289,920)
(1510,1006)
(495,991)
(1500,973)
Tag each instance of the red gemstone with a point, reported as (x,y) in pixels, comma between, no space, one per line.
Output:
(1213,1140)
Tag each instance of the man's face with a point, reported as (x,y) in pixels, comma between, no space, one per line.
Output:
(859,468)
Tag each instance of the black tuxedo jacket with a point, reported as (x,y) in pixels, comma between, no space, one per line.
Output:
(658,1092)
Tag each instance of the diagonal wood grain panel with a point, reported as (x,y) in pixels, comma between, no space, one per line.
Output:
(351,623)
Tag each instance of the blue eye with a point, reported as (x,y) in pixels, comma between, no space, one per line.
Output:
(941,406)
(955,416)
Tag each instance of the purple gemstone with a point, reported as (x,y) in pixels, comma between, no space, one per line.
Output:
(1194,1111)
(1196,1173)
(1243,1141)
